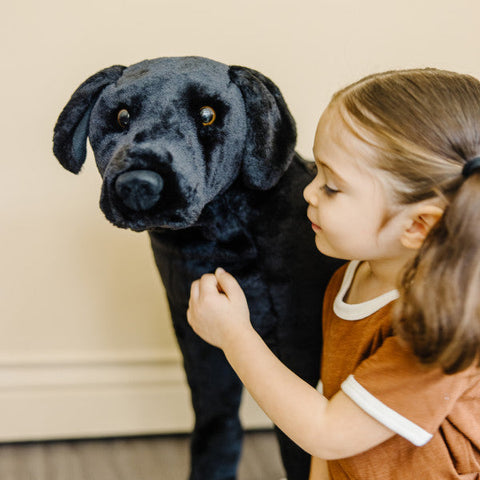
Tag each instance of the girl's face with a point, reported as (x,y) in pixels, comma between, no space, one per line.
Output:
(348,200)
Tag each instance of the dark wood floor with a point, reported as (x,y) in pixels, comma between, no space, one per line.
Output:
(146,458)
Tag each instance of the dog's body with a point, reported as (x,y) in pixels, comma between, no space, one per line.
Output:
(202,156)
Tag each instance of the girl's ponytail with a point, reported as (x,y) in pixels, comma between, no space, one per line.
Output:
(438,313)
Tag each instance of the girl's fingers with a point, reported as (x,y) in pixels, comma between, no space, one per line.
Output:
(212,285)
(207,285)
(229,285)
(194,290)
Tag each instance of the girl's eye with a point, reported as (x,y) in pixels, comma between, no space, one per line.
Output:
(328,190)
(123,118)
(207,115)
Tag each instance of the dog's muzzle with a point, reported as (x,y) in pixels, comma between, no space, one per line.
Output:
(139,190)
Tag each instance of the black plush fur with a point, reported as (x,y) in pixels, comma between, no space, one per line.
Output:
(224,194)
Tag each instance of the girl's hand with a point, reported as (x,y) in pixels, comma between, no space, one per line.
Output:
(218,309)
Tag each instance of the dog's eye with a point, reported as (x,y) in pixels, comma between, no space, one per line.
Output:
(123,118)
(207,115)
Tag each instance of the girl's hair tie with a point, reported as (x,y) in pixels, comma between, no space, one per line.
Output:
(471,166)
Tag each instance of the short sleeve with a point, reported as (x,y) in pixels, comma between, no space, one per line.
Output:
(409,398)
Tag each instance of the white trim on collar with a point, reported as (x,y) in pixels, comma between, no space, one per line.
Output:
(358,311)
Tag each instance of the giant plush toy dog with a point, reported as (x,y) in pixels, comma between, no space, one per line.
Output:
(201,155)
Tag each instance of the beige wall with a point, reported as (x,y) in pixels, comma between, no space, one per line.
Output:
(79,297)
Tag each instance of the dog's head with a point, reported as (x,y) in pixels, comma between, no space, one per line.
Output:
(169,135)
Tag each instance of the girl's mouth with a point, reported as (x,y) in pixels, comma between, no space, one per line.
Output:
(315,227)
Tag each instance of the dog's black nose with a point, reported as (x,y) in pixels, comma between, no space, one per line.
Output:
(139,190)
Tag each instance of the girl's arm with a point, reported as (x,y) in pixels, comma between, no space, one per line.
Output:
(338,428)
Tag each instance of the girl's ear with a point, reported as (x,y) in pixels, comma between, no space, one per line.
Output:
(423,218)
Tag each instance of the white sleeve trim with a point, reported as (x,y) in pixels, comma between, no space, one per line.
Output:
(385,415)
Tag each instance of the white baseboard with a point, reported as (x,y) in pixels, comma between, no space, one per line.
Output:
(99,395)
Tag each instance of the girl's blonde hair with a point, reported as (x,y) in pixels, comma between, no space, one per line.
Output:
(423,126)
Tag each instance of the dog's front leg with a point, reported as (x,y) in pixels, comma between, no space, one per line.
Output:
(216,393)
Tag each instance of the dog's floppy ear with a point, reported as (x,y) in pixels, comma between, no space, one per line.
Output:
(271,132)
(71,130)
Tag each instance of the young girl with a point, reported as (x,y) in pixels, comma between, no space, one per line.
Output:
(398,194)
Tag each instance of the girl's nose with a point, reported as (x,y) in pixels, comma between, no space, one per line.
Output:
(309,194)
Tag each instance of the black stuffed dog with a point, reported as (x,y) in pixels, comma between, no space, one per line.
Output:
(201,155)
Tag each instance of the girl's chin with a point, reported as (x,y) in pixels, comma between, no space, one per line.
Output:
(325,248)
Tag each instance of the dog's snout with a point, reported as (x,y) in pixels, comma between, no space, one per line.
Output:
(139,190)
